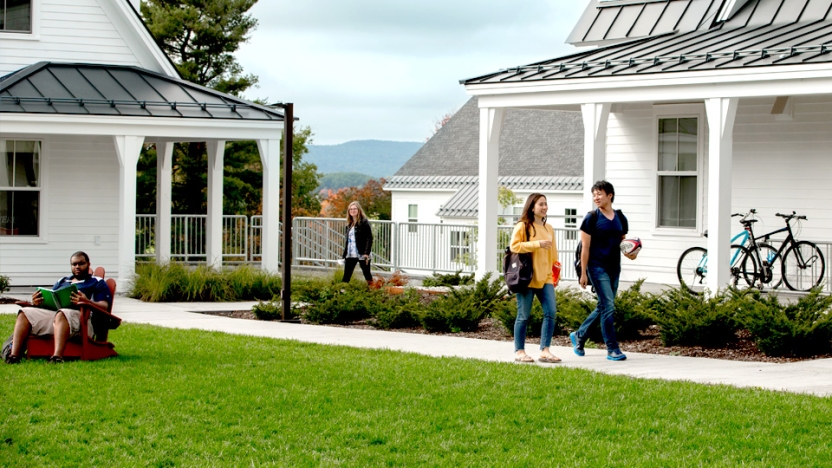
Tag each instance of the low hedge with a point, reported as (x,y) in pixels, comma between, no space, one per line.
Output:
(176,282)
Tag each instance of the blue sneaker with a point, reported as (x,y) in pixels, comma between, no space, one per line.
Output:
(616,355)
(577,347)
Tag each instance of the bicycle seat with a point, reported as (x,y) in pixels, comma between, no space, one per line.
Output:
(749,221)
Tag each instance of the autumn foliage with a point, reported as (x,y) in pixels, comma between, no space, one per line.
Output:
(377,203)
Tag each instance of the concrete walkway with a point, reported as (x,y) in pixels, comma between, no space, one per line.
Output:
(808,377)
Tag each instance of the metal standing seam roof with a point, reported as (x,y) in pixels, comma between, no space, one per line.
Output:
(96,89)
(464,203)
(742,42)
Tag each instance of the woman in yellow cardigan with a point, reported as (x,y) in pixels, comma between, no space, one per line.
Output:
(541,244)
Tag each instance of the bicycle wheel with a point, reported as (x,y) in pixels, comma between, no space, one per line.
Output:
(771,269)
(803,266)
(743,267)
(692,269)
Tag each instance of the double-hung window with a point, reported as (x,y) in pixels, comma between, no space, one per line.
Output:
(678,171)
(19,187)
(16,16)
(412,217)
(570,221)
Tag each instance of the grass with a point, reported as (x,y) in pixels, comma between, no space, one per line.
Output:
(194,398)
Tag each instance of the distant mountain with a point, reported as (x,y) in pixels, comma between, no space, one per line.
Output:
(375,158)
(336,180)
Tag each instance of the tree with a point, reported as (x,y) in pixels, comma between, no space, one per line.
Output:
(439,123)
(377,203)
(201,36)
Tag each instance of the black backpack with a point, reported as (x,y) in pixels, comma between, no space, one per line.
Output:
(517,269)
(593,219)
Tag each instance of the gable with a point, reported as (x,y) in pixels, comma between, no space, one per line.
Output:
(88,31)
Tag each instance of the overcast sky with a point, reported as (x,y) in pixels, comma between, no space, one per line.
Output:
(389,69)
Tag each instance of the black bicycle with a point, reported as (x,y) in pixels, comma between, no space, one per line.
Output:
(800,264)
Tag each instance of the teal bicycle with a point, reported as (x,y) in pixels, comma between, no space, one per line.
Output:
(692,267)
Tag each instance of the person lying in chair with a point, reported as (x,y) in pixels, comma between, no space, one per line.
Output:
(64,323)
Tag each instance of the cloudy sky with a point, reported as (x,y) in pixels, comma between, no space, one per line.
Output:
(389,69)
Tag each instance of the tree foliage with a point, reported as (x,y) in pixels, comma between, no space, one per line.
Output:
(377,203)
(201,36)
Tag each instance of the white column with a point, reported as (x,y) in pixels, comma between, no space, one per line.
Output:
(270,235)
(491,122)
(164,161)
(128,149)
(213,221)
(721,113)
(595,118)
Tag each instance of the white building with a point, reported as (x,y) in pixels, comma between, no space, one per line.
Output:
(693,109)
(82,87)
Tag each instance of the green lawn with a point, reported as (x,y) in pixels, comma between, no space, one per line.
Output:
(192,398)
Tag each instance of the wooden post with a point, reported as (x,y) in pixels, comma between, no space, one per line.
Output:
(286,292)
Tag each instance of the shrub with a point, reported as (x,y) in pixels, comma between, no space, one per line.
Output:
(348,304)
(4,284)
(688,319)
(402,311)
(177,282)
(271,310)
(632,311)
(800,329)
(573,306)
(451,279)
(462,309)
(312,289)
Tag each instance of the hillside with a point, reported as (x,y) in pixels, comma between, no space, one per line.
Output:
(375,158)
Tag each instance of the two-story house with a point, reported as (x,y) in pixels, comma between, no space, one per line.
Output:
(694,110)
(83,86)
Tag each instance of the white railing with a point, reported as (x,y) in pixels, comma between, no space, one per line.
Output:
(319,242)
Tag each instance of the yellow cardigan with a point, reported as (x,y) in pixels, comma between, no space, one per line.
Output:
(542,259)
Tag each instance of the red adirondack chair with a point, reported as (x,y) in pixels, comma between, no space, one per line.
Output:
(82,346)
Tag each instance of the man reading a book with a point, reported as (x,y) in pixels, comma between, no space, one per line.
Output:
(66,321)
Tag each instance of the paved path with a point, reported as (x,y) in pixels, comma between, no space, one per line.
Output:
(809,377)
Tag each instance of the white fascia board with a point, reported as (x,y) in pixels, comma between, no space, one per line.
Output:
(770,81)
(154,128)
(137,37)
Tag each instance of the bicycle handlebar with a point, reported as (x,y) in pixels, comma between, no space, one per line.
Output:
(788,217)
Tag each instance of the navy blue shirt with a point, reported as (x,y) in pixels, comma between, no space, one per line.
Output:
(94,288)
(606,236)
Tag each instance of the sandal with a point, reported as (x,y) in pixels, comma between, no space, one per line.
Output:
(56,360)
(550,359)
(524,358)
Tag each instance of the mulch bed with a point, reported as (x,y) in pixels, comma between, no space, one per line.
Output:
(744,349)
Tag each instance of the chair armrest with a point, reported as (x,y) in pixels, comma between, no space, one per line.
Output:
(24,304)
(87,306)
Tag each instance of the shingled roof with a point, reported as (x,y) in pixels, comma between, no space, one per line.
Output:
(532,143)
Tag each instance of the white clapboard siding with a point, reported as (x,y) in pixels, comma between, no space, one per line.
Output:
(90,31)
(80,201)
(778,166)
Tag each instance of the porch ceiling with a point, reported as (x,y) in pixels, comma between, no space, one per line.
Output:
(749,48)
(119,91)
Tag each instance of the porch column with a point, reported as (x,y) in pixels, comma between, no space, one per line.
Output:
(270,235)
(595,118)
(213,221)
(721,113)
(128,149)
(164,158)
(491,122)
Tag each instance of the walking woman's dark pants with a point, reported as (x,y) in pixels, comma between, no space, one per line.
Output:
(349,267)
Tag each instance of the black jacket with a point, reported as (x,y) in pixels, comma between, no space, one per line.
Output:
(363,238)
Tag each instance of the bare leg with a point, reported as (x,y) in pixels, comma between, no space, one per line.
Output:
(61,334)
(22,328)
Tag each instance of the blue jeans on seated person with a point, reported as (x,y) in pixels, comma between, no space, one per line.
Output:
(546,296)
(606,286)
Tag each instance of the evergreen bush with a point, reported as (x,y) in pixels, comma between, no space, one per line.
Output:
(463,308)
(687,319)
(402,312)
(451,279)
(4,284)
(347,304)
(271,310)
(800,329)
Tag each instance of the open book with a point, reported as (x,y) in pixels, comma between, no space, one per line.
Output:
(58,299)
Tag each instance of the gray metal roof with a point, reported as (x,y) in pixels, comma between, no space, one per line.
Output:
(464,203)
(758,35)
(532,142)
(95,89)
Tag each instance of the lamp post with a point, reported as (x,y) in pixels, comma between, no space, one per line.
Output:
(286,271)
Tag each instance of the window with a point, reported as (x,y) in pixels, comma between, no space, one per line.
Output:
(678,171)
(19,188)
(16,15)
(570,221)
(460,246)
(412,217)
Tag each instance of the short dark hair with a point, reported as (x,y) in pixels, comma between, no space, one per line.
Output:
(604,186)
(80,254)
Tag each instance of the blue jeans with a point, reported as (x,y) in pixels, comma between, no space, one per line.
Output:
(606,285)
(546,296)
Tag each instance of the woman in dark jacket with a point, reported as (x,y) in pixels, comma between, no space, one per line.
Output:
(359,243)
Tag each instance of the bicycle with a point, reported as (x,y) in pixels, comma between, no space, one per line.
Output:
(692,267)
(801,267)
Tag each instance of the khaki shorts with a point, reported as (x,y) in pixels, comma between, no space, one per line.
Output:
(42,320)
